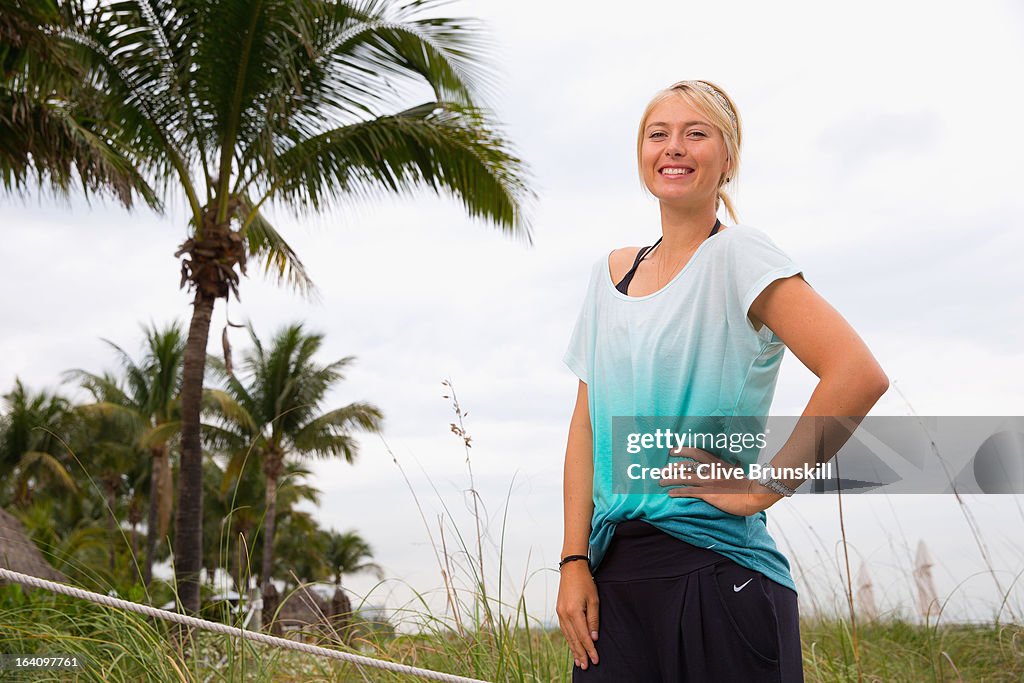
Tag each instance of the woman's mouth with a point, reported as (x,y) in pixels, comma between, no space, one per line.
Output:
(676,173)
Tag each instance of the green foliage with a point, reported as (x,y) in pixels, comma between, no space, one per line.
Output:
(102,448)
(51,121)
(236,106)
(274,414)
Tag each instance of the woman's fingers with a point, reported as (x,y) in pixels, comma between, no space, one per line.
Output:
(579,624)
(689,476)
(593,620)
(578,653)
(567,622)
(695,453)
(583,621)
(576,643)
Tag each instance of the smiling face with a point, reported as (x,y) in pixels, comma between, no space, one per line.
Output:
(683,156)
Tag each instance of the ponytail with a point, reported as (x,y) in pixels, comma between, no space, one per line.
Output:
(730,208)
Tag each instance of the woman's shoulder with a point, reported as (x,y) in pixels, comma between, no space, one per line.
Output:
(739,231)
(743,237)
(618,262)
(747,231)
(621,260)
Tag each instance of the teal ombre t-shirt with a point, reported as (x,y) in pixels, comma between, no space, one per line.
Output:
(688,349)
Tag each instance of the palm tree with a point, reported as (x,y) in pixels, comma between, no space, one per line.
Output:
(239,105)
(49,123)
(33,456)
(299,549)
(105,445)
(347,553)
(276,415)
(236,508)
(69,534)
(151,404)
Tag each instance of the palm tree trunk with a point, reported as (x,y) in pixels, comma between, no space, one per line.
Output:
(268,524)
(188,533)
(151,520)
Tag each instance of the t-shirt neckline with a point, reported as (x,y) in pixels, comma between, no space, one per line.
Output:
(626,297)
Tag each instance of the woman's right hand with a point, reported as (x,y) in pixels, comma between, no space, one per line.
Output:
(577,611)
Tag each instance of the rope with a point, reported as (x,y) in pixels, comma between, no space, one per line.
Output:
(25,579)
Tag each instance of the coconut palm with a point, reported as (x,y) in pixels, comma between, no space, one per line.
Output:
(33,430)
(276,414)
(49,123)
(236,510)
(299,548)
(151,404)
(346,553)
(72,535)
(238,106)
(106,451)
(349,553)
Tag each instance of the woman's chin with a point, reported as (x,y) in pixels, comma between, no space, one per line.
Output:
(681,197)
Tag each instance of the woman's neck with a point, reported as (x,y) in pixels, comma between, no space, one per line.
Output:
(683,229)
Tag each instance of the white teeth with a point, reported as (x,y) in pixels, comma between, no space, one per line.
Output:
(676,171)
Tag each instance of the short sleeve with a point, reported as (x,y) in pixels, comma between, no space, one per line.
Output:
(579,353)
(758,262)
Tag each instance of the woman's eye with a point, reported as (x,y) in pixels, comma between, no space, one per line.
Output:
(693,132)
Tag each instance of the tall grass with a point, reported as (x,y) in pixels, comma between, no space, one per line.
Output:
(485,628)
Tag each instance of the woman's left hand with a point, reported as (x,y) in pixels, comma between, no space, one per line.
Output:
(736,495)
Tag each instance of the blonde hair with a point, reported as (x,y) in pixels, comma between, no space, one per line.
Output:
(703,98)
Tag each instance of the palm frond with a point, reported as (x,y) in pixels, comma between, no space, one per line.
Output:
(279,259)
(124,417)
(48,124)
(330,433)
(224,404)
(160,434)
(46,461)
(438,145)
(446,52)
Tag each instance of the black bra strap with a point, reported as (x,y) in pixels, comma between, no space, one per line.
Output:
(623,285)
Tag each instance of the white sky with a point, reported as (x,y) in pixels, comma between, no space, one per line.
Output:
(882,145)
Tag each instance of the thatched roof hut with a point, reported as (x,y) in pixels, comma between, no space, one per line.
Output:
(18,553)
(306,611)
(304,607)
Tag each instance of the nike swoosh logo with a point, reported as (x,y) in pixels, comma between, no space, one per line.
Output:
(712,546)
(737,589)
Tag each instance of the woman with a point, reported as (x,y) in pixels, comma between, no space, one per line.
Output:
(685,583)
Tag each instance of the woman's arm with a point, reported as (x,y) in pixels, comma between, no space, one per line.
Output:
(850,379)
(577,606)
(578,480)
(850,383)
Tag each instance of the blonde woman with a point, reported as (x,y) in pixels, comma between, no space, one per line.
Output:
(686,583)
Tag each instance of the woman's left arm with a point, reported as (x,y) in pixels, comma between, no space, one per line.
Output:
(850,383)
(851,380)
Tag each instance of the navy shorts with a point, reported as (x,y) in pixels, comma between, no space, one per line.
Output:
(672,612)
